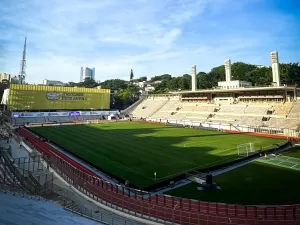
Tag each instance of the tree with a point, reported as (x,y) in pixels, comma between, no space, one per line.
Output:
(141,79)
(173,84)
(161,87)
(239,70)
(202,81)
(88,83)
(216,74)
(260,76)
(290,73)
(183,83)
(161,77)
(131,75)
(124,98)
(114,84)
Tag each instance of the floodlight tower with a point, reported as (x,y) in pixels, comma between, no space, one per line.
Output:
(22,74)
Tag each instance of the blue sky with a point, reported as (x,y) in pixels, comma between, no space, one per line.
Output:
(152,37)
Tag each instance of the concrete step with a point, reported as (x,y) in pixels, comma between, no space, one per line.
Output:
(72,207)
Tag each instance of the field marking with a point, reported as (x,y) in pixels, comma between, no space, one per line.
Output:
(288,158)
(271,161)
(195,168)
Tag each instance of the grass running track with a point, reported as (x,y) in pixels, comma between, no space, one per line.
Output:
(134,151)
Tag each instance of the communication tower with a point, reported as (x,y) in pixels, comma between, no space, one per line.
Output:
(22,74)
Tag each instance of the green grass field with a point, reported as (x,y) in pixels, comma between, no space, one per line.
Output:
(134,151)
(292,152)
(255,183)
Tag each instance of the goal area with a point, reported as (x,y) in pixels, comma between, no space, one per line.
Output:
(245,149)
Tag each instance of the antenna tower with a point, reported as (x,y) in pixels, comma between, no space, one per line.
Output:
(22,73)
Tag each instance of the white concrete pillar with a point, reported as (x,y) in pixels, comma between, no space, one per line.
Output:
(275,69)
(228,70)
(194,78)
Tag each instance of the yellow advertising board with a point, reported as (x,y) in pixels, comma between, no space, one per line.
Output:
(32,97)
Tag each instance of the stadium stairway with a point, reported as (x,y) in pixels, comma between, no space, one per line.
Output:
(133,106)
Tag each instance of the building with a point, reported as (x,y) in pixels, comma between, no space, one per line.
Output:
(140,84)
(87,73)
(52,83)
(4,76)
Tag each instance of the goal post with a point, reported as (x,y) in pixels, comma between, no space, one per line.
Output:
(245,149)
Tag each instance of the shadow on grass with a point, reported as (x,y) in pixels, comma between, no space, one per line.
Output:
(253,184)
(133,152)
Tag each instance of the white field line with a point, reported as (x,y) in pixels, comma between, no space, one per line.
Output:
(194,168)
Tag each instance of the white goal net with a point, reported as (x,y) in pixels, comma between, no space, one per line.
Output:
(245,149)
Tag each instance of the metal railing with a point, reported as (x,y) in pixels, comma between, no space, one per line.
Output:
(9,183)
(77,204)
(162,209)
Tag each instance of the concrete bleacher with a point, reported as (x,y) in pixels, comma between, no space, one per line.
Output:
(282,109)
(258,109)
(295,111)
(148,107)
(235,109)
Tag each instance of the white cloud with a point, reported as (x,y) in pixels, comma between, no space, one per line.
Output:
(150,36)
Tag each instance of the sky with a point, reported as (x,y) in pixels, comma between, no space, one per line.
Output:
(152,37)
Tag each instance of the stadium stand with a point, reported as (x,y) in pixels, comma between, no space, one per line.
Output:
(148,107)
(269,113)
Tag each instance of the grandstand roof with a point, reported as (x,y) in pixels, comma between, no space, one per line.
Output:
(282,88)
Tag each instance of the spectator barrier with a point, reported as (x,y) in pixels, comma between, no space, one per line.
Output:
(161,208)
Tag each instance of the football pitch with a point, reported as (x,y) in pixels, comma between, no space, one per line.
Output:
(135,151)
(257,183)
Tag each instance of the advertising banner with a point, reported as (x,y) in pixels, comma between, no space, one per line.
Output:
(69,113)
(33,97)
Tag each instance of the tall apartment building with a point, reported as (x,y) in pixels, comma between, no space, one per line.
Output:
(87,73)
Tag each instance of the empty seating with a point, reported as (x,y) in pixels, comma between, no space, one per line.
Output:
(236,109)
(282,109)
(257,109)
(148,107)
(295,111)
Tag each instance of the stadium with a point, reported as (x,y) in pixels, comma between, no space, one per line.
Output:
(219,156)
